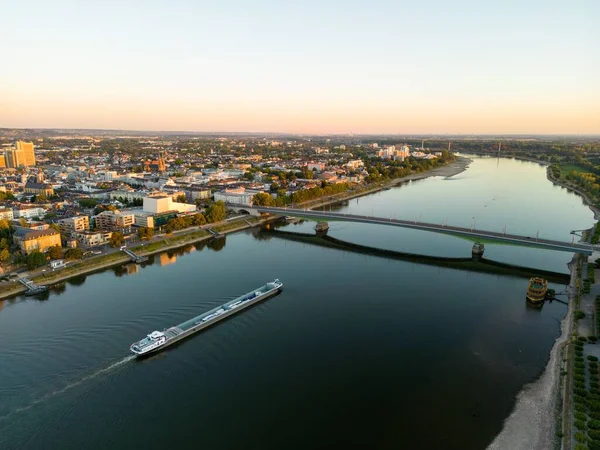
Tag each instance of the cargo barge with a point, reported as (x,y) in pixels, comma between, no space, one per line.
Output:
(157,340)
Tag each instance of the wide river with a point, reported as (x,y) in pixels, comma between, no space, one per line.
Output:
(357,352)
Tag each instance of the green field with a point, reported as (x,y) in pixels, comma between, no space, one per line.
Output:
(565,169)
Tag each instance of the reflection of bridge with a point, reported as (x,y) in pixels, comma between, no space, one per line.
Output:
(514,239)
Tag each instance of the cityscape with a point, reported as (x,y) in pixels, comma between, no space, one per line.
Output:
(300,225)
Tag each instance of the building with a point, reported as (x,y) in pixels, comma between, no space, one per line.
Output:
(92,238)
(2,161)
(395,152)
(22,155)
(35,185)
(237,196)
(107,175)
(115,221)
(28,152)
(195,193)
(355,164)
(29,212)
(165,203)
(144,219)
(156,165)
(73,224)
(315,167)
(32,240)
(57,264)
(6,214)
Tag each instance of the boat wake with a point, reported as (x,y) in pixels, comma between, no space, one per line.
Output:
(68,387)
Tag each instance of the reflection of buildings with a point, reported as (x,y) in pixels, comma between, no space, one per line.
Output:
(132,269)
(166,259)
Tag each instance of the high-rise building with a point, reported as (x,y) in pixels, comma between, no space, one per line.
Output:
(22,155)
(28,152)
(2,161)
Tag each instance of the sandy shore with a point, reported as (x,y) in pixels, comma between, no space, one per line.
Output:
(460,165)
(532,424)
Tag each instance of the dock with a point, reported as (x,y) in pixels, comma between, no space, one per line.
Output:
(216,234)
(32,288)
(135,258)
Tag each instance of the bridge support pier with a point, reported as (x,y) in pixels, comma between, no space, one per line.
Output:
(477,251)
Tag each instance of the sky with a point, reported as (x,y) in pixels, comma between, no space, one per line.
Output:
(329,66)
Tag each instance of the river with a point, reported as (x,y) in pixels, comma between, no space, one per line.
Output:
(357,352)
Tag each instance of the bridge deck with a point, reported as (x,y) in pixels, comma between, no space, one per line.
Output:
(529,241)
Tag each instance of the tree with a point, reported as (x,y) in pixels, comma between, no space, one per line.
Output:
(74,253)
(262,199)
(54,252)
(35,259)
(178,161)
(23,222)
(180,198)
(87,202)
(145,233)
(198,220)
(216,212)
(116,239)
(4,255)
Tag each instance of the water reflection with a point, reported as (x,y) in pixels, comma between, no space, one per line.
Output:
(217,244)
(77,280)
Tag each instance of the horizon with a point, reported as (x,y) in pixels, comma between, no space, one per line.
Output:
(388,68)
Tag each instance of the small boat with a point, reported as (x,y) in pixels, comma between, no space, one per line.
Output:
(536,291)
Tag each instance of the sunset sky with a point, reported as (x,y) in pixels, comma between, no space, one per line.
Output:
(429,66)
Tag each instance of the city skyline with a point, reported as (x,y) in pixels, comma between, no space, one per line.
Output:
(339,68)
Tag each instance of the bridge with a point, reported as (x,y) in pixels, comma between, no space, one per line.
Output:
(548,244)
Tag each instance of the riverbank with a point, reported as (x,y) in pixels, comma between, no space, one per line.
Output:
(535,421)
(178,239)
(532,425)
(145,249)
(449,170)
(569,187)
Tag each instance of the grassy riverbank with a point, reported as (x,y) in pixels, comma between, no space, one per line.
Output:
(144,249)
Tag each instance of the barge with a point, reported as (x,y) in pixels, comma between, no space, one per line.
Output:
(157,340)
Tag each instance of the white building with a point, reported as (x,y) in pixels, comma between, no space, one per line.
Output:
(107,175)
(237,196)
(163,203)
(6,214)
(29,213)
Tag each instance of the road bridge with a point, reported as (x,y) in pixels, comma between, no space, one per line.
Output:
(514,239)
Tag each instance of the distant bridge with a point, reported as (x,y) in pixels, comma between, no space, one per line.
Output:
(528,241)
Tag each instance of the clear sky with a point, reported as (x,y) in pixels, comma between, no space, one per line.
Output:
(343,66)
